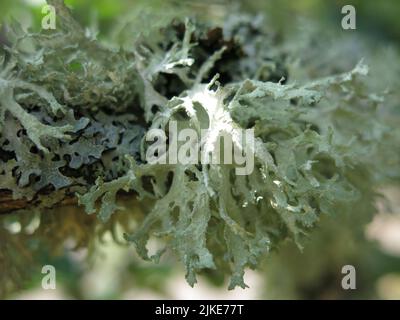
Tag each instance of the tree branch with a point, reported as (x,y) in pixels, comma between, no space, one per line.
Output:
(9,205)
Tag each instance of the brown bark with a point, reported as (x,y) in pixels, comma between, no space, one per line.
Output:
(9,205)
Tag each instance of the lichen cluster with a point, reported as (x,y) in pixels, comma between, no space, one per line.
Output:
(74,113)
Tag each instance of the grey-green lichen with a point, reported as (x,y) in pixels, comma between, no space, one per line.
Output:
(73,114)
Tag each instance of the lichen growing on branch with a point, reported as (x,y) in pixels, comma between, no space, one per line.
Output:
(74,114)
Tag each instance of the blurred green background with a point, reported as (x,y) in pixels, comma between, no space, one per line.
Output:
(377,19)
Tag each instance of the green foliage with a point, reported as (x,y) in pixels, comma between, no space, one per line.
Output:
(73,113)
